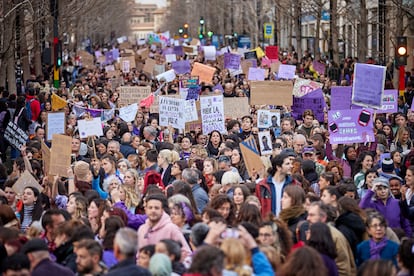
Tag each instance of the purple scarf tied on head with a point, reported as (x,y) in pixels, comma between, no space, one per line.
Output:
(375,248)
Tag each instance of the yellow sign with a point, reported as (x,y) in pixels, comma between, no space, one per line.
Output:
(268,29)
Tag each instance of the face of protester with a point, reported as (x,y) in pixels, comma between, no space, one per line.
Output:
(215,138)
(266,236)
(367,163)
(382,192)
(376,230)
(208,167)
(71,206)
(400,121)
(129,179)
(202,139)
(29,197)
(378,124)
(154,211)
(107,166)
(85,262)
(75,145)
(286,201)
(405,137)
(314,215)
(308,121)
(327,198)
(122,167)
(298,145)
(286,167)
(323,182)
(113,185)
(143,259)
(387,130)
(101,148)
(140,184)
(235,157)
(351,154)
(370,177)
(246,125)
(177,217)
(224,210)
(185,144)
(154,123)
(48,106)
(175,170)
(238,196)
(93,210)
(409,178)
(395,186)
(286,126)
(397,158)
(10,195)
(109,134)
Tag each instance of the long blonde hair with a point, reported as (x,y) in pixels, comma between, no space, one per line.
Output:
(131,197)
(236,257)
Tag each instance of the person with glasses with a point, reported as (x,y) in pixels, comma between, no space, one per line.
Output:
(378,246)
(276,234)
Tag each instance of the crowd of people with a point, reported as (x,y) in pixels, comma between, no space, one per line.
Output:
(150,200)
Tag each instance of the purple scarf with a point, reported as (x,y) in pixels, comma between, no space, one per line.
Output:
(376,248)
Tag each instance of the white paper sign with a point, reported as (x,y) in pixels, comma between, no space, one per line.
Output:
(209,52)
(128,113)
(169,75)
(263,118)
(190,111)
(89,128)
(212,114)
(170,58)
(55,124)
(286,72)
(125,66)
(172,112)
(110,68)
(256,74)
(265,143)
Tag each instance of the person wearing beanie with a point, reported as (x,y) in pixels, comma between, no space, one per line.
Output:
(83,176)
(379,198)
(160,265)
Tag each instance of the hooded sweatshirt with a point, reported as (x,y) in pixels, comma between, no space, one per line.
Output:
(164,229)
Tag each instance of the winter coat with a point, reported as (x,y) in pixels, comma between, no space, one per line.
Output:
(352,227)
(345,259)
(134,220)
(389,252)
(164,229)
(391,211)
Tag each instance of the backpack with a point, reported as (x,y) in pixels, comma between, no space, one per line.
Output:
(29,109)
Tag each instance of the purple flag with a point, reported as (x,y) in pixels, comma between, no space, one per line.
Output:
(178,50)
(181,66)
(368,85)
(109,57)
(341,97)
(94,112)
(351,126)
(231,61)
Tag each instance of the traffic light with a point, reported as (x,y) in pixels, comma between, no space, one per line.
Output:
(401,52)
(201,29)
(185,33)
(57,44)
(235,34)
(180,31)
(210,33)
(201,21)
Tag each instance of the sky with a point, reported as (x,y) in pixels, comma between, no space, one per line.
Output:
(160,3)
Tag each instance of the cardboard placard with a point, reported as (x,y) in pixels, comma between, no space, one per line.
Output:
(245,65)
(149,66)
(195,125)
(205,72)
(251,156)
(45,157)
(133,94)
(55,124)
(113,74)
(60,155)
(236,107)
(125,60)
(26,179)
(86,59)
(15,135)
(144,53)
(305,86)
(271,93)
(274,67)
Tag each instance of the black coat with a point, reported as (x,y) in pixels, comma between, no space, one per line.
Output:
(352,227)
(128,267)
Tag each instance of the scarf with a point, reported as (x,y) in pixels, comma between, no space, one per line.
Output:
(213,152)
(376,248)
(291,212)
(27,217)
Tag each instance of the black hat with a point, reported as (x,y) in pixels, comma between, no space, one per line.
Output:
(34,245)
(289,152)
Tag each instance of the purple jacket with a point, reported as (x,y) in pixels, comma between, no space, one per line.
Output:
(344,163)
(134,221)
(391,211)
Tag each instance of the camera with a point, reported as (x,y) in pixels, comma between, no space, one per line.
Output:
(230,233)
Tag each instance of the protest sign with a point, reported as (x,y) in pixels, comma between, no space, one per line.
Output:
(209,52)
(55,124)
(60,155)
(133,94)
(196,124)
(271,93)
(26,179)
(15,135)
(115,53)
(171,112)
(128,62)
(250,55)
(86,59)
(236,107)
(109,68)
(155,105)
(190,111)
(170,58)
(368,85)
(274,67)
(125,66)
(212,114)
(314,101)
(341,97)
(116,82)
(389,102)
(286,72)
(45,157)
(128,113)
(251,156)
(275,118)
(125,45)
(169,76)
(144,53)
(159,69)
(113,74)
(272,52)
(268,62)
(319,67)
(181,66)
(256,74)
(232,61)
(194,42)
(265,142)
(149,66)
(304,86)
(58,102)
(90,127)
(205,72)
(259,52)
(178,50)
(245,65)
(351,126)
(190,50)
(263,118)
(189,81)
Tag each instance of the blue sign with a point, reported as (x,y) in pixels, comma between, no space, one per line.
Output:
(269,29)
(244,42)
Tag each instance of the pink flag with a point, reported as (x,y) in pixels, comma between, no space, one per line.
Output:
(148,101)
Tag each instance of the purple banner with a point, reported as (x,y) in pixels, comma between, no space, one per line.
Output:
(341,97)
(319,67)
(389,102)
(115,53)
(314,101)
(231,61)
(253,61)
(168,51)
(109,57)
(181,66)
(351,126)
(368,85)
(178,50)
(193,93)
